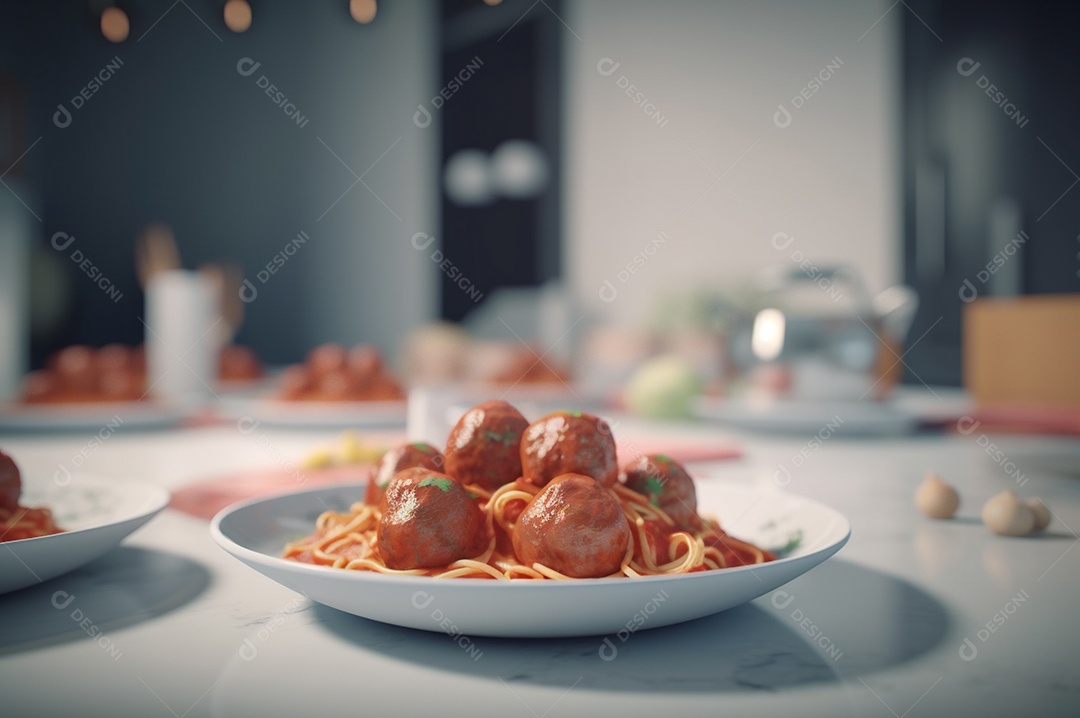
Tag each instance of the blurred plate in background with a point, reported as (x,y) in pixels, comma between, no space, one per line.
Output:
(89,416)
(852,418)
(96,516)
(255,532)
(314,414)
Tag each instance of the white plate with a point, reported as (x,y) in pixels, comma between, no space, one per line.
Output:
(559,393)
(532,405)
(865,418)
(89,416)
(256,531)
(97,516)
(316,414)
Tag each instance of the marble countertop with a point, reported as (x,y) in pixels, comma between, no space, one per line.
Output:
(913,617)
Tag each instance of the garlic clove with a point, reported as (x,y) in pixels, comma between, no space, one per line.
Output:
(1007,515)
(935,498)
(1042,514)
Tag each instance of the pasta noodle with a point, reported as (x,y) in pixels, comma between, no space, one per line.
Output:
(514,500)
(18,522)
(24,523)
(658,546)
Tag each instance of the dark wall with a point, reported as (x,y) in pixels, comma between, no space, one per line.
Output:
(990,150)
(178,135)
(515,95)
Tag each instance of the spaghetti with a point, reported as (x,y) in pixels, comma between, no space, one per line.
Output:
(349,540)
(524,501)
(24,523)
(18,522)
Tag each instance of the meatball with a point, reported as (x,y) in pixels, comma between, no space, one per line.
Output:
(428,520)
(238,363)
(326,358)
(364,361)
(121,385)
(569,443)
(115,357)
(336,385)
(384,388)
(40,385)
(484,446)
(10,483)
(574,526)
(138,359)
(667,485)
(398,459)
(76,366)
(295,383)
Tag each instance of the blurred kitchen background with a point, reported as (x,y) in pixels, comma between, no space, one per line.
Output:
(634,163)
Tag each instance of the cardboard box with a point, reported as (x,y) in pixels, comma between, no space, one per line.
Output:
(1023,351)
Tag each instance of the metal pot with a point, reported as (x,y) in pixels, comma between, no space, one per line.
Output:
(817,335)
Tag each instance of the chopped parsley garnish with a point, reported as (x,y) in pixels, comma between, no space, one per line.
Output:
(442,484)
(383,484)
(422,445)
(793,542)
(507,439)
(665,459)
(654,485)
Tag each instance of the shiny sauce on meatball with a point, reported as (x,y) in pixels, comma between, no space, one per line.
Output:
(398,459)
(484,446)
(428,520)
(569,442)
(668,487)
(574,526)
(10,484)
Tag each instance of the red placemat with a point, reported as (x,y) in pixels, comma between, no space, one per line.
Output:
(205,498)
(1062,420)
(686,452)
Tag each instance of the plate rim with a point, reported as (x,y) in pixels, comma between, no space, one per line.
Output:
(56,555)
(304,414)
(239,552)
(77,416)
(718,410)
(159,499)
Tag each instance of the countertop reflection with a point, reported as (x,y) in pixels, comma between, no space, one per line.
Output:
(913,617)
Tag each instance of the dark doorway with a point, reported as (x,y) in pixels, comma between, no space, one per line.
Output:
(991,157)
(500,73)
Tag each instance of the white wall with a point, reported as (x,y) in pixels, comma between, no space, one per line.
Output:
(717,71)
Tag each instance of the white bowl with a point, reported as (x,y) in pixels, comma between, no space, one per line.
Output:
(256,532)
(96,515)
